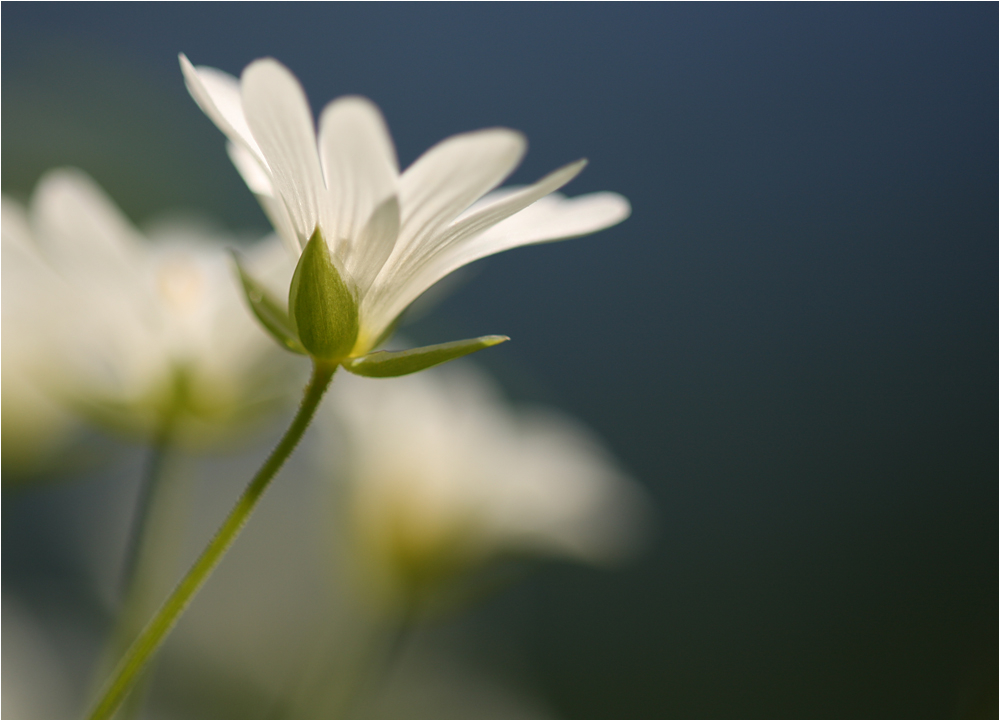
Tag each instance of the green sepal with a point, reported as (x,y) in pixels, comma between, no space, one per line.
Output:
(268,310)
(389,364)
(321,306)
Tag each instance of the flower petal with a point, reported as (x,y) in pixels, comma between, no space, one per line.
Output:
(15,228)
(360,169)
(218,95)
(375,243)
(89,242)
(554,217)
(448,178)
(475,223)
(26,275)
(249,166)
(278,115)
(35,298)
(459,246)
(83,228)
(259,182)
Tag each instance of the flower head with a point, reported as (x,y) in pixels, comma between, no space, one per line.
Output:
(442,475)
(129,329)
(389,235)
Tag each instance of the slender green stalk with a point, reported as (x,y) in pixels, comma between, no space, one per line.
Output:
(152,479)
(129,668)
(148,491)
(147,572)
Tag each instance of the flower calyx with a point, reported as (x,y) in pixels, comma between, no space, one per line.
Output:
(322,305)
(268,310)
(322,320)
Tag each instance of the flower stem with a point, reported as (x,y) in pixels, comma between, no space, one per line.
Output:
(149,569)
(152,480)
(148,490)
(130,666)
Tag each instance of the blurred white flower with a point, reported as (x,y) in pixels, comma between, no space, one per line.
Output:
(34,425)
(443,475)
(128,329)
(391,235)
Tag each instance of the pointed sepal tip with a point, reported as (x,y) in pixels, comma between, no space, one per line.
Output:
(389,364)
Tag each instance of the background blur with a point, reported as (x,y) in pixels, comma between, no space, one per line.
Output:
(792,343)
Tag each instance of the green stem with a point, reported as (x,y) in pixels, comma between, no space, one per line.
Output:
(147,572)
(128,669)
(148,490)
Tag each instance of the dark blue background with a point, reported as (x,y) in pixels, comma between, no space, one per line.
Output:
(792,343)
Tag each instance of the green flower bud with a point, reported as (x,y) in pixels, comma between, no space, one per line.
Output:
(321,305)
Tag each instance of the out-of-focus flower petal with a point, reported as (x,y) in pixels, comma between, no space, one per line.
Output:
(442,475)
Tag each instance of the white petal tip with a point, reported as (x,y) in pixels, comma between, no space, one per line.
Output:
(357,103)
(353,114)
(514,140)
(266,67)
(597,211)
(626,208)
(573,169)
(618,206)
(187,69)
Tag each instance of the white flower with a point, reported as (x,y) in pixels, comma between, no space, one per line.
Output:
(129,329)
(443,475)
(34,425)
(392,235)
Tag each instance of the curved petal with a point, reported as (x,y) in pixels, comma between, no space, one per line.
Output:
(35,298)
(81,227)
(486,217)
(554,217)
(218,95)
(14,226)
(458,246)
(23,267)
(449,178)
(89,242)
(259,182)
(375,243)
(278,115)
(564,494)
(360,169)
(250,169)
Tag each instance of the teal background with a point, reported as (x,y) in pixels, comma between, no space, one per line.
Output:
(792,343)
